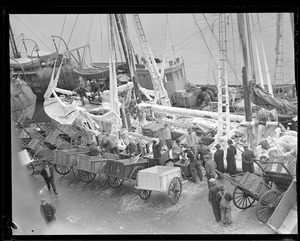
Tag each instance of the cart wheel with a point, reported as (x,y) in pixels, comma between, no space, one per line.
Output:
(41,157)
(267,204)
(87,177)
(175,189)
(115,182)
(64,146)
(78,139)
(133,178)
(144,194)
(241,199)
(61,169)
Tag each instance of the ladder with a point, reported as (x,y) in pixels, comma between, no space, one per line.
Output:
(223,96)
(159,90)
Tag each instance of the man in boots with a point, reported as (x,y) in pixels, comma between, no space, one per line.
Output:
(48,175)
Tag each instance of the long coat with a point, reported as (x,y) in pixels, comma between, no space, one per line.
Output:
(231,163)
(48,212)
(247,163)
(212,195)
(45,175)
(219,160)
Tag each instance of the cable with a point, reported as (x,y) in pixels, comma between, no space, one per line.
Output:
(62,30)
(73,29)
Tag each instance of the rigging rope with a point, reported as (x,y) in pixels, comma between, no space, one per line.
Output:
(101,39)
(73,29)
(29,29)
(205,40)
(90,28)
(171,38)
(62,30)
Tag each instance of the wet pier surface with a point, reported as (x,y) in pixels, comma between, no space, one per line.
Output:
(96,208)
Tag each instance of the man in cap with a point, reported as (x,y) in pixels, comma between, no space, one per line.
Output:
(176,150)
(231,163)
(219,160)
(156,148)
(247,162)
(210,168)
(224,205)
(166,134)
(48,174)
(47,211)
(194,164)
(213,190)
(202,150)
(94,150)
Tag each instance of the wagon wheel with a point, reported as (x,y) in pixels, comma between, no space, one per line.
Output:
(144,194)
(133,178)
(76,172)
(175,189)
(87,177)
(43,156)
(61,169)
(64,146)
(115,182)
(78,139)
(241,199)
(267,204)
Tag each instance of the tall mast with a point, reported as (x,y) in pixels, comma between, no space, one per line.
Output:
(278,74)
(13,43)
(242,34)
(223,99)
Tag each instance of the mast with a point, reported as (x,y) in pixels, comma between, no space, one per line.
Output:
(242,34)
(16,54)
(223,99)
(278,74)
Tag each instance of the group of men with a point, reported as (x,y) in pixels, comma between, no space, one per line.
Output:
(95,91)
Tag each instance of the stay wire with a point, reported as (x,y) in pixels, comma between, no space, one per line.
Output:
(73,29)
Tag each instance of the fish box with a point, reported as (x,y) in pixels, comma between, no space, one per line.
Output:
(157,178)
(186,169)
(90,163)
(153,129)
(184,99)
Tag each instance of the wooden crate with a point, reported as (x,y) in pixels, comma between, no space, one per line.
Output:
(153,129)
(122,168)
(33,144)
(186,169)
(157,178)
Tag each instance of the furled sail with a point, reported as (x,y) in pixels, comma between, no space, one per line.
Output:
(263,98)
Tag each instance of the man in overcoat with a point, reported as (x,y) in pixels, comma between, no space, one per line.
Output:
(48,174)
(219,160)
(47,211)
(247,162)
(231,163)
(213,190)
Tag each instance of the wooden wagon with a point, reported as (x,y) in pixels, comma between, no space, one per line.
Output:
(161,179)
(124,169)
(250,187)
(64,159)
(85,167)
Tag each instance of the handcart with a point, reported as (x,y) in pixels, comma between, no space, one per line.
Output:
(63,159)
(250,187)
(86,167)
(162,179)
(124,169)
